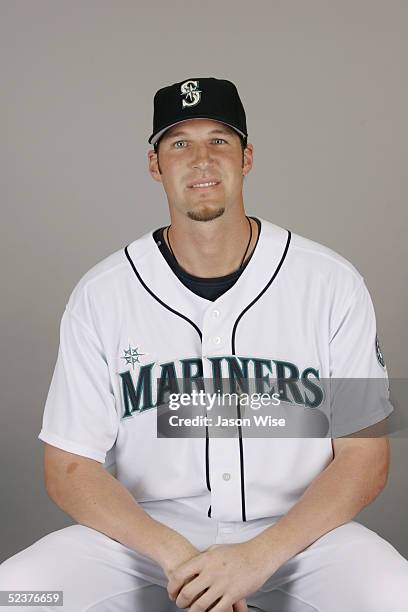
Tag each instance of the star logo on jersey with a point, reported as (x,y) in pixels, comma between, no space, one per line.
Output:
(131,355)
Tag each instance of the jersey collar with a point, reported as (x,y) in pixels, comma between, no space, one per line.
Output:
(154,275)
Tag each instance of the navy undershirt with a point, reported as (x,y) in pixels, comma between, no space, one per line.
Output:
(208,288)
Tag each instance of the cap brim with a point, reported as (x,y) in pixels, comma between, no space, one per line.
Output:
(155,137)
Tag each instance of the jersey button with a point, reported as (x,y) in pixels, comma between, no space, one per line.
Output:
(216,339)
(226,476)
(216,313)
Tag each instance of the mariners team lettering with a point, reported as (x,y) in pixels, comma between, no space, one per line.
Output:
(181,376)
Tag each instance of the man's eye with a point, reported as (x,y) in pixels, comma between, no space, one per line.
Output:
(183,141)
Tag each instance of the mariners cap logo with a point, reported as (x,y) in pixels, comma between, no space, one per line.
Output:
(191,93)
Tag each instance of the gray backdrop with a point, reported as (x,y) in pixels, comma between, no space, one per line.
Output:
(325,91)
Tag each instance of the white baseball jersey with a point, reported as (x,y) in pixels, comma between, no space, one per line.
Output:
(131,328)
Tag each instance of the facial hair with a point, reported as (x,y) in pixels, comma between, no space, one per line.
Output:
(205,214)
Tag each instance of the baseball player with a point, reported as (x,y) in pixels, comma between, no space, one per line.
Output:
(211,522)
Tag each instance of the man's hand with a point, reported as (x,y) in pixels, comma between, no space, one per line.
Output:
(218,579)
(177,555)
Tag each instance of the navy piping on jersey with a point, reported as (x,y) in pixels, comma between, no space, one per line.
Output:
(207,288)
(179,314)
(234,330)
(157,298)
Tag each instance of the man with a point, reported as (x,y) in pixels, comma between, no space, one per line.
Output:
(212,522)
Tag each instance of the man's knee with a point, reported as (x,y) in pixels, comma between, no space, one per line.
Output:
(17,573)
(33,568)
(387,590)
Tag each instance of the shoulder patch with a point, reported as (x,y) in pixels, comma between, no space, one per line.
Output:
(379,354)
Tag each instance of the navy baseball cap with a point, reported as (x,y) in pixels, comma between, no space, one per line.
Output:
(198,98)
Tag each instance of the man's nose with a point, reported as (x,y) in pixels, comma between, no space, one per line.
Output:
(202,154)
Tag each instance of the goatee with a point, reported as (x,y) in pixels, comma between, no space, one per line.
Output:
(205,214)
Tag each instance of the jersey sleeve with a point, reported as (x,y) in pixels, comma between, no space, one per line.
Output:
(80,414)
(359,385)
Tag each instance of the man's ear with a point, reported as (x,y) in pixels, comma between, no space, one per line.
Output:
(153,163)
(248,159)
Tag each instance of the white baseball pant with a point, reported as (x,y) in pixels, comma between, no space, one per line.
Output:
(351,568)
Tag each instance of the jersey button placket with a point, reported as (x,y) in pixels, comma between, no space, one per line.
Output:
(223,456)
(213,341)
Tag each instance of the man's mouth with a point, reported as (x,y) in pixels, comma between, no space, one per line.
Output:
(204,184)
